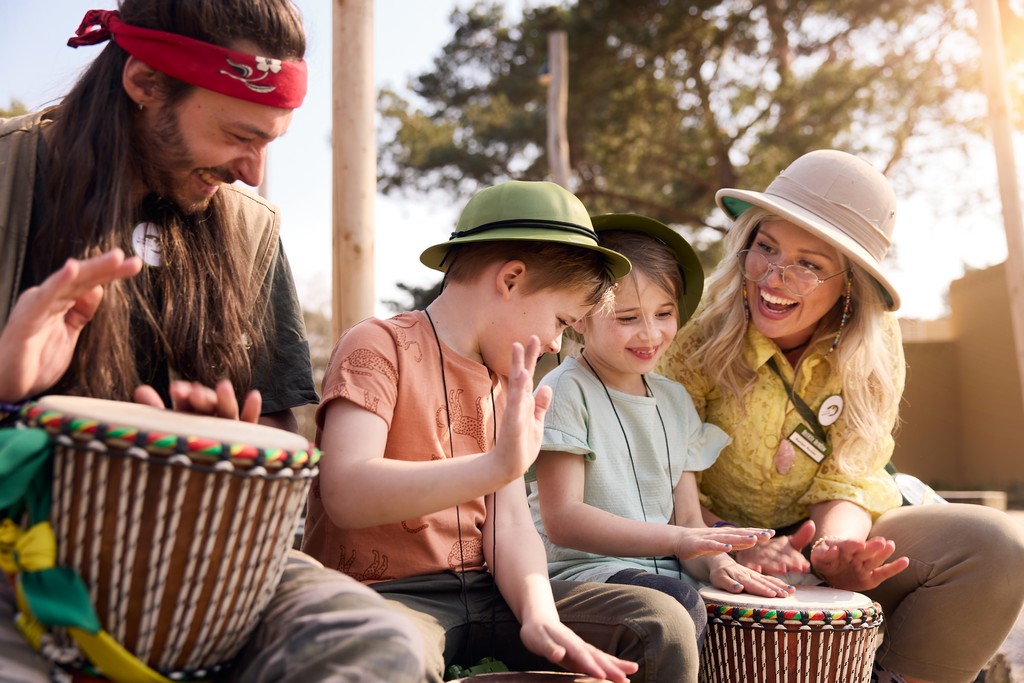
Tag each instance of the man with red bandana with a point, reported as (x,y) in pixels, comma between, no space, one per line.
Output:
(141,158)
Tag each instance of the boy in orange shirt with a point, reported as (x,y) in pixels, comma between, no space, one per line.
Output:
(428,423)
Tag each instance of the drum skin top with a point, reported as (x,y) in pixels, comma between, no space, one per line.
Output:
(159,430)
(810,604)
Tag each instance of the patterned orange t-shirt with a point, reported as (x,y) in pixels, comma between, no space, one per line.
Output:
(393,369)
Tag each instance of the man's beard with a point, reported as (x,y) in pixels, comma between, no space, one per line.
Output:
(166,166)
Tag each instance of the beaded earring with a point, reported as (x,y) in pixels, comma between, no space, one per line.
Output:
(846,312)
(746,305)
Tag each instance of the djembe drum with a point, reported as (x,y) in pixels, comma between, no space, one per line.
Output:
(819,634)
(179,525)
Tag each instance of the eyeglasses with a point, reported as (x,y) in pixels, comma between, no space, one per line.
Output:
(798,280)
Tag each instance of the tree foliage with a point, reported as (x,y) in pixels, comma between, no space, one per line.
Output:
(670,100)
(15,108)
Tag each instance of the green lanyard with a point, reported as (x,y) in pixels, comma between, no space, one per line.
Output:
(801,406)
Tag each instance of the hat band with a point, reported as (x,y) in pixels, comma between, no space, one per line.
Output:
(843,217)
(557,226)
(274,82)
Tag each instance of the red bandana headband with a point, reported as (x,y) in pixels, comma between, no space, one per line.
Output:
(274,82)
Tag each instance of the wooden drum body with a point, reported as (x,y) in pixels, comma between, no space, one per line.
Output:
(179,525)
(819,634)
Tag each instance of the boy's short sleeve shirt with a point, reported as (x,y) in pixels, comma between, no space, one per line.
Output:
(392,368)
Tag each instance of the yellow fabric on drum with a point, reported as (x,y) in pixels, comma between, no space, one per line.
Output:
(36,550)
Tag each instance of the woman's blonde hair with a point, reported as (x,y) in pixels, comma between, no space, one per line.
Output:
(862,357)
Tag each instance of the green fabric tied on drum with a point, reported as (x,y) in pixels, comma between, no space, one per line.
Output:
(57,596)
(25,472)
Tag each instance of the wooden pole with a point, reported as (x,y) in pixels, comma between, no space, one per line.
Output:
(354,159)
(994,70)
(558,107)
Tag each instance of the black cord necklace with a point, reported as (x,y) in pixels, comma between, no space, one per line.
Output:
(629,450)
(786,352)
(494,495)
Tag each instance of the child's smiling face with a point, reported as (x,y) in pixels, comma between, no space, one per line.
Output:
(628,340)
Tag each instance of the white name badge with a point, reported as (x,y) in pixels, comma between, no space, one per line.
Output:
(807,443)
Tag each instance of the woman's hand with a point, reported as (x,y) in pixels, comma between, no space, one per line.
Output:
(855,565)
(781,554)
(559,645)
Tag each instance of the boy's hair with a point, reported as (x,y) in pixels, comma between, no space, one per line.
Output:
(649,256)
(550,265)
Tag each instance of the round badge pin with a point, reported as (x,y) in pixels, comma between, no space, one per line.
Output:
(146,242)
(830,410)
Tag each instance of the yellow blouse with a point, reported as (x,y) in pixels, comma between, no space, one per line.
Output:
(744,485)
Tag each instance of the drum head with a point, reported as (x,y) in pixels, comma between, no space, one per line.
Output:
(806,597)
(150,419)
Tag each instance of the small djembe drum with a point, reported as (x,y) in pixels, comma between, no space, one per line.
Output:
(179,525)
(818,634)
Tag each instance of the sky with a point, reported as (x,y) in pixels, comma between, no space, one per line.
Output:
(941,229)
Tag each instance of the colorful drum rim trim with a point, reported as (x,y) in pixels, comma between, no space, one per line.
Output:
(768,616)
(200,449)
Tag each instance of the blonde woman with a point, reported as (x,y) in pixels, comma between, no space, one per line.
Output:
(797,355)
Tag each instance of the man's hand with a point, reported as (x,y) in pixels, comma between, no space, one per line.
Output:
(39,339)
(192,397)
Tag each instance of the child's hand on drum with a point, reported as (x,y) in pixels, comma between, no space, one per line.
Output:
(735,578)
(192,397)
(693,542)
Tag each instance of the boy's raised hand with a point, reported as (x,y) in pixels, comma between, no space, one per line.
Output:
(522,426)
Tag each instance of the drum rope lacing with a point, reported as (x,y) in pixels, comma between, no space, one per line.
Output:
(90,439)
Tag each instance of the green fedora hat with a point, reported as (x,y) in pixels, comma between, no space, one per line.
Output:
(534,211)
(686,257)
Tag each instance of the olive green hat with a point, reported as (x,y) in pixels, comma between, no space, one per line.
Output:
(536,211)
(686,257)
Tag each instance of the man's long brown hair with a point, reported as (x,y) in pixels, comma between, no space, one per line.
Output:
(200,309)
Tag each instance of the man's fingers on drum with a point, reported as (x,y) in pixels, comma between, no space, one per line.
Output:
(192,397)
(253,406)
(146,395)
(227,404)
